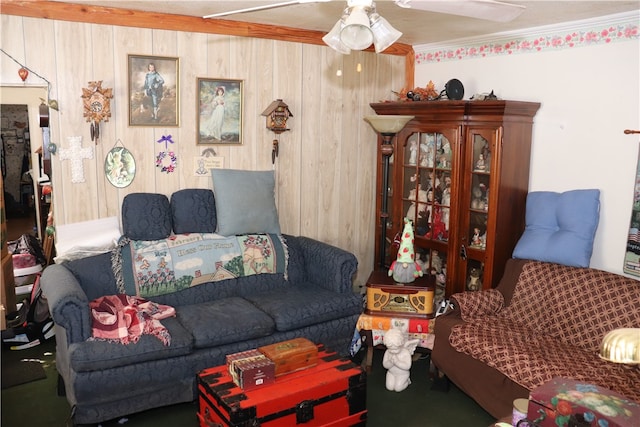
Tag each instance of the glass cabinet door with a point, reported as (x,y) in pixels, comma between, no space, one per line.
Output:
(426,193)
(426,201)
(477,205)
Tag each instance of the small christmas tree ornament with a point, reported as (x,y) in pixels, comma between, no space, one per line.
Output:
(405,269)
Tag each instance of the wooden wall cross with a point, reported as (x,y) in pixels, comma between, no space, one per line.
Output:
(76,154)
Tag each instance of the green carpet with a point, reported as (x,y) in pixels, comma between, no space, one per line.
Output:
(37,404)
(21,372)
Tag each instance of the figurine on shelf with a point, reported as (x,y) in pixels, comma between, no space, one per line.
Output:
(433,180)
(405,269)
(477,201)
(443,162)
(475,240)
(438,229)
(413,150)
(446,147)
(424,264)
(486,199)
(436,262)
(427,153)
(474,280)
(446,202)
(486,154)
(397,359)
(480,164)
(418,198)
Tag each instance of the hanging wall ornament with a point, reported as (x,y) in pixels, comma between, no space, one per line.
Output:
(119,166)
(97,106)
(23,73)
(76,154)
(166,160)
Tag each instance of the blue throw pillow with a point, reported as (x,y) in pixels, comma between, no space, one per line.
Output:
(193,211)
(146,216)
(245,202)
(560,227)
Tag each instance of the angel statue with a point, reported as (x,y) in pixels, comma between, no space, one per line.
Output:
(397,359)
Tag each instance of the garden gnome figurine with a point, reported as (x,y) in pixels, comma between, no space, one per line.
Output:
(405,269)
(397,359)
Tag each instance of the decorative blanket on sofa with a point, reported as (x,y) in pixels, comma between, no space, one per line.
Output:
(552,327)
(125,318)
(156,267)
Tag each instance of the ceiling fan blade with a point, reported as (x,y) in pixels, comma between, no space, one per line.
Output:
(262,7)
(490,10)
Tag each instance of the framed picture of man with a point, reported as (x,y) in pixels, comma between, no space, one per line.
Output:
(154,91)
(219,111)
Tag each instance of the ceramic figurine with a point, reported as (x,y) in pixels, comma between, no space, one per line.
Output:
(397,359)
(413,149)
(474,280)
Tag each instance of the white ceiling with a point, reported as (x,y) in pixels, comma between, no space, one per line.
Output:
(418,27)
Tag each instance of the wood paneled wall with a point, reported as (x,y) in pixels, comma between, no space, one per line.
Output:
(326,168)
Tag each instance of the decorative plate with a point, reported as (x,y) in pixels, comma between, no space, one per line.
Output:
(120,167)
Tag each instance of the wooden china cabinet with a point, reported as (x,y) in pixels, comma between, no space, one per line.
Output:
(460,171)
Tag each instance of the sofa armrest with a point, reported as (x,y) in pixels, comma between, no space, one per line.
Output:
(327,266)
(67,301)
(478,303)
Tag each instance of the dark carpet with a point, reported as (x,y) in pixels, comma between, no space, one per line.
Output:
(420,405)
(22,372)
(16,371)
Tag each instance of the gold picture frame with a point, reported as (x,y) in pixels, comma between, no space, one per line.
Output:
(154,90)
(219,106)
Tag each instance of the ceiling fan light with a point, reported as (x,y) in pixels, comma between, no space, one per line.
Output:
(332,39)
(384,35)
(356,33)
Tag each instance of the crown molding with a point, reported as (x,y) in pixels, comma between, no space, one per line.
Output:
(588,32)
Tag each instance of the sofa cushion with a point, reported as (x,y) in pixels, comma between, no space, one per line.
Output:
(560,227)
(224,321)
(295,307)
(100,354)
(245,201)
(193,211)
(146,216)
(94,274)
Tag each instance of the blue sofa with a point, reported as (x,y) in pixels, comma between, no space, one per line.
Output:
(104,380)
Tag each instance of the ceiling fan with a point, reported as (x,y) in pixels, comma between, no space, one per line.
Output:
(490,10)
(360,25)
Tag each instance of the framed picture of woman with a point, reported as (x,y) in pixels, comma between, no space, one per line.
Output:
(219,111)
(153,91)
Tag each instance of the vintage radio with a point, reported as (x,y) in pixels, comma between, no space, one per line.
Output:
(291,355)
(386,296)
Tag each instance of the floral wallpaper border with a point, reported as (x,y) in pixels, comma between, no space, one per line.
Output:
(622,27)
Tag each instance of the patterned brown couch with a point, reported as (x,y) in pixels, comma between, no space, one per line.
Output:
(542,321)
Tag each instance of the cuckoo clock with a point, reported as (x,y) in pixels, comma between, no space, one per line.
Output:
(97,106)
(277,114)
